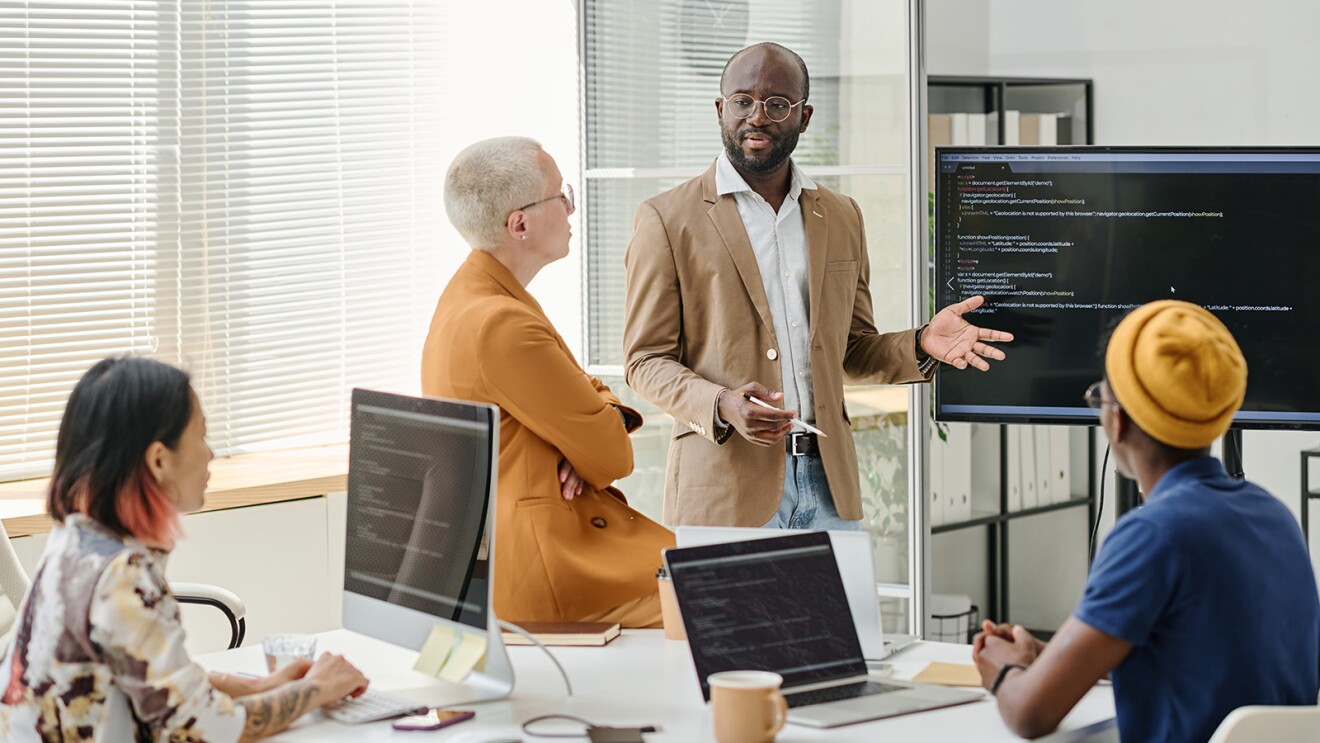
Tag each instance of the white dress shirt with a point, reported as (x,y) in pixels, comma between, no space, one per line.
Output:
(779,240)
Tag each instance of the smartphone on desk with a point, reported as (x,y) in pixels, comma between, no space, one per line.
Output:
(434,720)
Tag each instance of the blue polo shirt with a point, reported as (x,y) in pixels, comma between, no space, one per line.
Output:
(1211,582)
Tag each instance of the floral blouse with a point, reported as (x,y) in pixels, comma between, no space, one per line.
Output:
(98,651)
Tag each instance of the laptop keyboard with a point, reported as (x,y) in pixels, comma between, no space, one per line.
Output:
(371,706)
(839,693)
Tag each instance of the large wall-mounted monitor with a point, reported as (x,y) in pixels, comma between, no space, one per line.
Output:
(1064,241)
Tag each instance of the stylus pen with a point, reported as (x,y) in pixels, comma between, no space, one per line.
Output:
(794,421)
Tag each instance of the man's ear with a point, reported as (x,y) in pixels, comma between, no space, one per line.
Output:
(516,225)
(719,109)
(1122,424)
(806,116)
(157,461)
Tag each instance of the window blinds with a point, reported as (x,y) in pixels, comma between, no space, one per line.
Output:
(652,76)
(87,192)
(311,200)
(248,189)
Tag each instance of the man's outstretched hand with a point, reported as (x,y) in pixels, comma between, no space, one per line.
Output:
(953,340)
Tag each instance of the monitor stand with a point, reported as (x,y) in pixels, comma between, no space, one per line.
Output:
(410,629)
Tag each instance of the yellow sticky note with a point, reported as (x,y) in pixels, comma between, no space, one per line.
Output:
(436,651)
(471,650)
(949,674)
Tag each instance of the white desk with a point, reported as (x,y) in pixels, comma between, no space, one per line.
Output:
(643,679)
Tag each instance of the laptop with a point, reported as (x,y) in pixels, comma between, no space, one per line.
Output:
(779,605)
(856,565)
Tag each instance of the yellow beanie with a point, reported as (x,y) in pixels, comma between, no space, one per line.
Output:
(1177,372)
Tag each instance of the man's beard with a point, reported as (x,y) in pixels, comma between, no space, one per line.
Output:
(781,149)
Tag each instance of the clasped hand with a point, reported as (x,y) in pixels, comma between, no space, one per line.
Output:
(997,645)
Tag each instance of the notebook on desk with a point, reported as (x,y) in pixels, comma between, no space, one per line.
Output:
(564,633)
(779,605)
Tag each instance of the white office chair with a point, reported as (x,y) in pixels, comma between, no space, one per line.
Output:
(1274,724)
(14,585)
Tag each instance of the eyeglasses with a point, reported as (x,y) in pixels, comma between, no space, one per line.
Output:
(1095,400)
(566,194)
(776,108)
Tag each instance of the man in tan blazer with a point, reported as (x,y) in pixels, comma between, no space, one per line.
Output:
(751,281)
(567,546)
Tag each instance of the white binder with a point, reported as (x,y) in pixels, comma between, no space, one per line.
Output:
(1044,466)
(1013,462)
(1012,127)
(1027,459)
(986,466)
(935,501)
(958,127)
(976,129)
(1049,129)
(958,474)
(1060,464)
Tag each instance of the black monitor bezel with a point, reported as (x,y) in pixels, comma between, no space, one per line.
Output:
(1090,418)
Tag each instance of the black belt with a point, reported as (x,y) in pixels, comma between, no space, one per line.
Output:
(801,443)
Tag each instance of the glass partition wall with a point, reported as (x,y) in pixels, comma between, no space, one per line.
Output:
(650,78)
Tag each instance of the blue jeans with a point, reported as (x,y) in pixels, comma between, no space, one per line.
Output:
(806,503)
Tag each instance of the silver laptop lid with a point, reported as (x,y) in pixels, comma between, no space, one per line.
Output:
(767,605)
(853,555)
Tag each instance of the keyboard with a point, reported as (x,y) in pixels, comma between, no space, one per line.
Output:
(839,693)
(370,707)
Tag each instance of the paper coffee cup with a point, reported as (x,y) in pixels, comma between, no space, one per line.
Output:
(746,706)
(673,620)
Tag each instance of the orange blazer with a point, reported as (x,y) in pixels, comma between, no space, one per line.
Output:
(555,560)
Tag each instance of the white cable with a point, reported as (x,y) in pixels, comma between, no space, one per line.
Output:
(511,627)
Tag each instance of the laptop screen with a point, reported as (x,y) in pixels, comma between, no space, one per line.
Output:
(766,605)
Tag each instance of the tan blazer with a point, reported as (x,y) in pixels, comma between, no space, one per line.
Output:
(554,560)
(698,320)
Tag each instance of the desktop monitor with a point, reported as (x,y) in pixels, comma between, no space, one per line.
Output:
(421,502)
(1064,241)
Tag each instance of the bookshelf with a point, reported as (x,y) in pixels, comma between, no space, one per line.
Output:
(972,521)
(996,99)
(1309,492)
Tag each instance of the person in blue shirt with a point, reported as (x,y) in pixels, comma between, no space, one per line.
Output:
(1201,601)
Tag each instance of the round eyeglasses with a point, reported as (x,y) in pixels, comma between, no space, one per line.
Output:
(1095,400)
(777,108)
(566,194)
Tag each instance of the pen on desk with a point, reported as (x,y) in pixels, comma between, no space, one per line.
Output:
(794,421)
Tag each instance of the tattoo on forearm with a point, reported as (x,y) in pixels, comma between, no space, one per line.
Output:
(275,710)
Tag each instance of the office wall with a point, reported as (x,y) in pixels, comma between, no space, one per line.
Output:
(512,70)
(1195,72)
(957,37)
